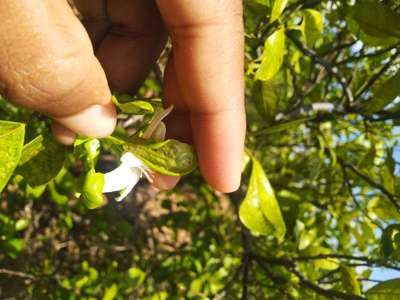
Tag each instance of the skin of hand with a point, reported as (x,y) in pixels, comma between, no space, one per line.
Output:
(54,63)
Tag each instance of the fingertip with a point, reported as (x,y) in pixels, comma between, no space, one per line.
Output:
(95,121)
(62,134)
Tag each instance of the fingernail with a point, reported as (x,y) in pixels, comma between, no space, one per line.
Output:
(95,121)
(62,134)
(164,182)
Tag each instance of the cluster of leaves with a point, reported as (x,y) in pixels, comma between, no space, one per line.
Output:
(319,207)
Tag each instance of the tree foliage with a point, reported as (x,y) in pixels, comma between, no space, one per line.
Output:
(319,206)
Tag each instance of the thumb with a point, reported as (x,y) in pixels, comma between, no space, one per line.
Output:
(47,64)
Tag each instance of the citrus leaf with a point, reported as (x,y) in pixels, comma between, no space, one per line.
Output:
(277,9)
(266,96)
(387,290)
(260,211)
(312,26)
(170,157)
(11,143)
(383,95)
(350,281)
(45,164)
(388,239)
(272,58)
(374,19)
(135,107)
(31,149)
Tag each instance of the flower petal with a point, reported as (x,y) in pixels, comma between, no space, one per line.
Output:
(129,188)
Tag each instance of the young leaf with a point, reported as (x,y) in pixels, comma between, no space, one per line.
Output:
(260,211)
(312,26)
(350,281)
(272,58)
(170,157)
(266,95)
(45,165)
(284,126)
(374,19)
(88,151)
(137,107)
(387,290)
(277,9)
(31,149)
(11,143)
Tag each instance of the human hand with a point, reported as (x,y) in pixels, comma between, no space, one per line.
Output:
(47,64)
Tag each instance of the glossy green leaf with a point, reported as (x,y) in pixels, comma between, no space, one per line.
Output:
(266,96)
(170,157)
(374,19)
(21,224)
(388,290)
(383,209)
(88,151)
(31,149)
(111,292)
(45,164)
(137,107)
(350,281)
(260,211)
(92,189)
(312,26)
(388,242)
(277,9)
(11,143)
(383,95)
(284,126)
(328,263)
(272,58)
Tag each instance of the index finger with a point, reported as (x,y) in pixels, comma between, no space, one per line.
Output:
(207,39)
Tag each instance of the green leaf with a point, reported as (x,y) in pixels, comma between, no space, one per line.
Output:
(170,157)
(11,143)
(31,149)
(388,290)
(136,107)
(272,58)
(373,19)
(383,95)
(277,9)
(21,224)
(260,211)
(383,209)
(328,264)
(284,126)
(45,164)
(312,26)
(266,96)
(111,292)
(388,243)
(350,281)
(92,189)
(88,151)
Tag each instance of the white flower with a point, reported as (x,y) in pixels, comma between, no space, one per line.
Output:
(126,176)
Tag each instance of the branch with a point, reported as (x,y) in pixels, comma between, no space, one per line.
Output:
(292,267)
(378,75)
(381,188)
(17,274)
(347,182)
(325,64)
